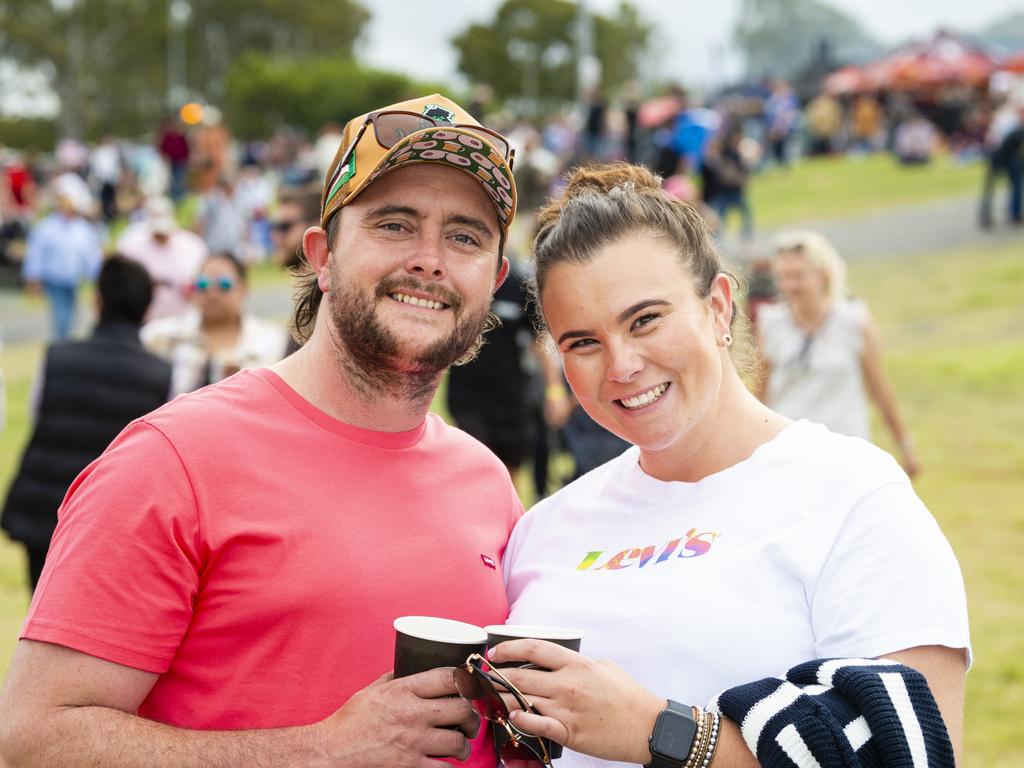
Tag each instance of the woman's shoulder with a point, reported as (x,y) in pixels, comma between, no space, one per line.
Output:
(814,451)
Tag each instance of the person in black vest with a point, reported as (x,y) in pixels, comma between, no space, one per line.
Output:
(90,390)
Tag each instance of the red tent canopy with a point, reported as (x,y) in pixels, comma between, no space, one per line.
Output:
(1013,63)
(944,60)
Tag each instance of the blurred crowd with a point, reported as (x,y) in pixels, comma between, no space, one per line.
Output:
(198,207)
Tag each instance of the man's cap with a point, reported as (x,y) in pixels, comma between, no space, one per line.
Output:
(160,215)
(468,151)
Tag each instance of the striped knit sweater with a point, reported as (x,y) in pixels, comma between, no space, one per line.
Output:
(841,713)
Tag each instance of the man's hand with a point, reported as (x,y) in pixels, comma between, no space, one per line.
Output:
(62,709)
(34,288)
(401,723)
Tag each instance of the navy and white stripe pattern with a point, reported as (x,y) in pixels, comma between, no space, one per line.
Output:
(841,713)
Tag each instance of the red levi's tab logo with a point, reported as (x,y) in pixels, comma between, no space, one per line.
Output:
(488,562)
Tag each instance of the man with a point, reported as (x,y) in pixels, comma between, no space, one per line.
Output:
(223,581)
(89,391)
(297,210)
(173,256)
(63,250)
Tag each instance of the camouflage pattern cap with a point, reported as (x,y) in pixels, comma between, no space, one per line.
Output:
(470,151)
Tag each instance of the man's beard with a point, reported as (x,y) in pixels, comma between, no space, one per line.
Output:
(371,354)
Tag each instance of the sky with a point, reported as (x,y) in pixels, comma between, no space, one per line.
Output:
(413,37)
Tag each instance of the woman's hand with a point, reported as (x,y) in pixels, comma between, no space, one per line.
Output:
(587,705)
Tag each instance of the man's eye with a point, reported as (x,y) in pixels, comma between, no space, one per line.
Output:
(393,226)
(466,240)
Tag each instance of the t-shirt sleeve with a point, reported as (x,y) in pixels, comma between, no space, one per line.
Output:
(891,581)
(125,560)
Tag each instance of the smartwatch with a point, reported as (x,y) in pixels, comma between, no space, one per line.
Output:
(672,739)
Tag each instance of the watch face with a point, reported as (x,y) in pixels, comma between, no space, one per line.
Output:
(673,735)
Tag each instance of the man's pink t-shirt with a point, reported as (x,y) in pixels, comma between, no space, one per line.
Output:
(254,552)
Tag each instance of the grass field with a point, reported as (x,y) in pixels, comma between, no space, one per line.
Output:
(829,187)
(953,325)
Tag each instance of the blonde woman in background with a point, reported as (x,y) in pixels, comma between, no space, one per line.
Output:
(821,349)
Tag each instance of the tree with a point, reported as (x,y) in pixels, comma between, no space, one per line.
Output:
(265,92)
(107,59)
(780,37)
(530,49)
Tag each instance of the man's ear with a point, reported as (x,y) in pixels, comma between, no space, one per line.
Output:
(318,253)
(502,273)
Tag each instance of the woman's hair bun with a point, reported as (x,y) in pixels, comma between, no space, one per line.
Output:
(605,178)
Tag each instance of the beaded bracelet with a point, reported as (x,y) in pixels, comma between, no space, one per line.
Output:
(705,741)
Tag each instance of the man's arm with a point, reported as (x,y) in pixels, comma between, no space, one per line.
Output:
(61,708)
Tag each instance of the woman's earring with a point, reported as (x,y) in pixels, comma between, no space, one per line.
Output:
(727,340)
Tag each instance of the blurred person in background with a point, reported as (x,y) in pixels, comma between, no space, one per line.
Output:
(63,250)
(328,140)
(824,119)
(217,337)
(867,123)
(1004,142)
(86,393)
(18,190)
(724,175)
(492,396)
(106,172)
(822,351)
(171,255)
(219,219)
(254,195)
(915,141)
(173,145)
(297,210)
(781,117)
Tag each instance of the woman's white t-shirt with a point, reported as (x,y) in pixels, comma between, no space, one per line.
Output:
(816,546)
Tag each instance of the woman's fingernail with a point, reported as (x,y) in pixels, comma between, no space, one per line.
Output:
(513,714)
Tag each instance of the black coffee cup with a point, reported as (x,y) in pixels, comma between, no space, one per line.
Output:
(500,633)
(425,642)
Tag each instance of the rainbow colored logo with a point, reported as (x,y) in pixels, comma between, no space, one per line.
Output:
(694,544)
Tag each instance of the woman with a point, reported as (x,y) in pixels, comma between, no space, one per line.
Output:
(726,546)
(217,337)
(821,351)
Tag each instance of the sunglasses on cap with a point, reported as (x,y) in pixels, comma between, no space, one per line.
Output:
(477,686)
(391,126)
(223,284)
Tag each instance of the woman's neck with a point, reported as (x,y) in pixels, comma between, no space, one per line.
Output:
(222,333)
(737,425)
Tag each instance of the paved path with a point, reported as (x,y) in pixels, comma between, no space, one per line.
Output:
(945,224)
(895,232)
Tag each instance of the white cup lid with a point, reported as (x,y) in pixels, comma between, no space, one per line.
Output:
(440,630)
(536,631)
